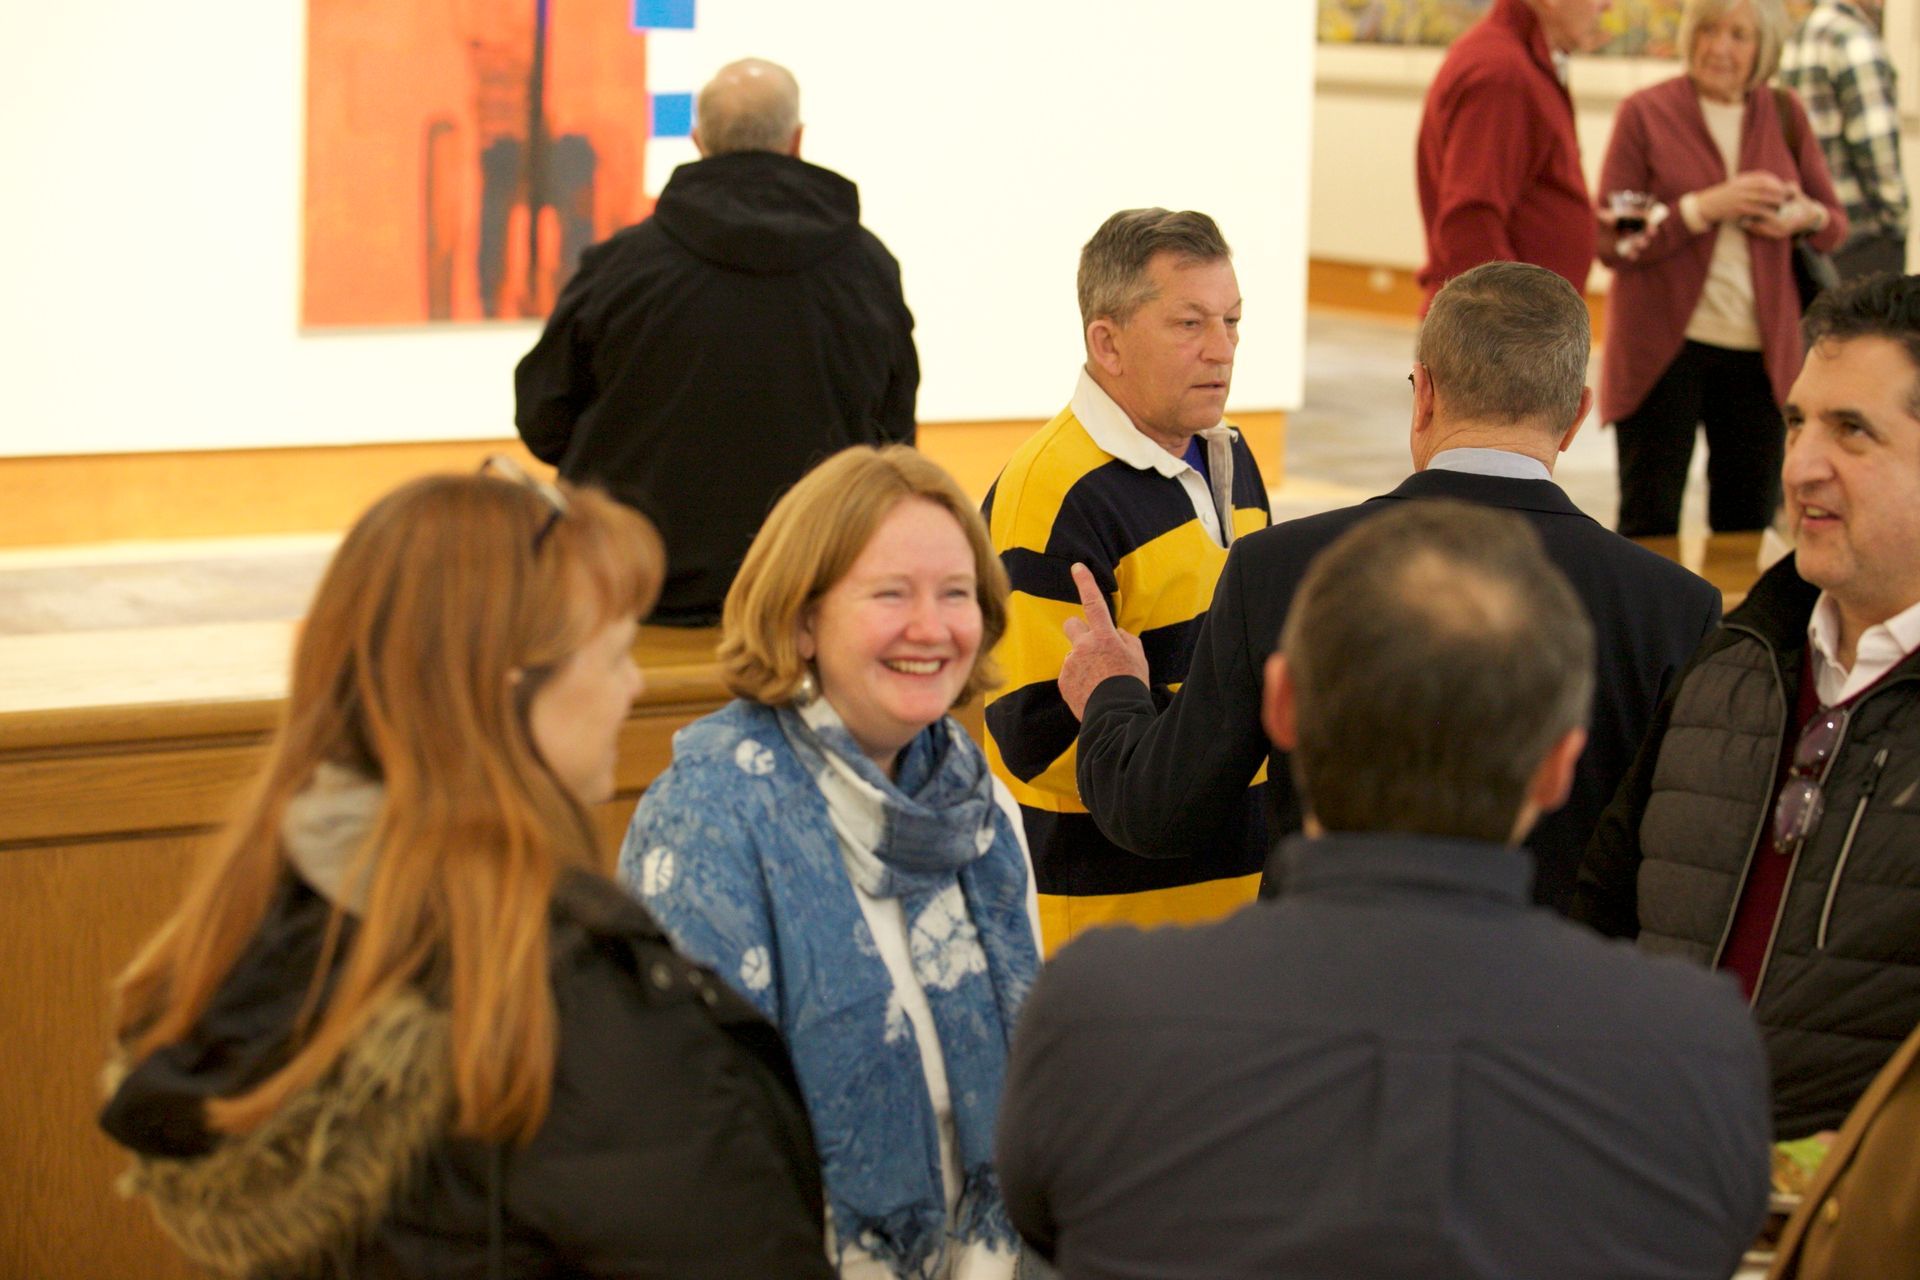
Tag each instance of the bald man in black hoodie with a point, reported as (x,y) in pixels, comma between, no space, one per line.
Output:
(701,361)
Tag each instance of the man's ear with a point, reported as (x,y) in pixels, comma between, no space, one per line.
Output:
(1553,781)
(1277,710)
(1103,347)
(793,147)
(1422,403)
(698,145)
(1579,419)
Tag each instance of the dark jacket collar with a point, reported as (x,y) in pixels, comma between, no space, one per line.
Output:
(1400,862)
(1778,610)
(1489,491)
(1778,607)
(603,908)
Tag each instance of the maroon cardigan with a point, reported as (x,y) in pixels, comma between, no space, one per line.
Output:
(1498,162)
(1661,144)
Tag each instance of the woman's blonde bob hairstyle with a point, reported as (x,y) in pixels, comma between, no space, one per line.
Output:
(446,607)
(1769,21)
(810,541)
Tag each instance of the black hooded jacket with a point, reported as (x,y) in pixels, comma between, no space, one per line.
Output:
(703,360)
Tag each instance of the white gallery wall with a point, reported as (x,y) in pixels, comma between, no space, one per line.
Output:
(154,156)
(1367,104)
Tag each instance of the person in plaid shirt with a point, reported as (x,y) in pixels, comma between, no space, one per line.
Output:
(1838,65)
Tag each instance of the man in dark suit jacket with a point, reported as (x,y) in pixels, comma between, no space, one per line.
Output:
(1401,1067)
(1499,390)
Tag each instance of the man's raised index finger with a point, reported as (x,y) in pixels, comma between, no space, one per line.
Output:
(1092,601)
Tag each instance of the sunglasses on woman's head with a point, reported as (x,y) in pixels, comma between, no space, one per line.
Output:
(501,467)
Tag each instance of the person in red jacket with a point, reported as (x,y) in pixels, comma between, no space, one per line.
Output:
(1703,320)
(1497,162)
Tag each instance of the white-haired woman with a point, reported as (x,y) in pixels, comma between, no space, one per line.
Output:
(1703,321)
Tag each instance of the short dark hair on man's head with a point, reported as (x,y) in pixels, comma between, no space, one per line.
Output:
(1436,655)
(1113,265)
(1877,306)
(1508,342)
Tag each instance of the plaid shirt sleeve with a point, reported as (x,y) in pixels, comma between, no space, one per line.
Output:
(1864,86)
(1838,65)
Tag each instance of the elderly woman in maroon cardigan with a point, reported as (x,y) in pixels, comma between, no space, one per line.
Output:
(1703,322)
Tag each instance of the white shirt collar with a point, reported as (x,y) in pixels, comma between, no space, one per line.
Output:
(1490,462)
(1110,427)
(1879,649)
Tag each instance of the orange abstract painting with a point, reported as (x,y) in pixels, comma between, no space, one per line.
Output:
(461,153)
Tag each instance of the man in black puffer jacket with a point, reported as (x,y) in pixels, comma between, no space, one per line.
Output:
(1771,825)
(703,360)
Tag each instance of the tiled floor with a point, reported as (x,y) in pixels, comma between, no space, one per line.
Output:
(1348,442)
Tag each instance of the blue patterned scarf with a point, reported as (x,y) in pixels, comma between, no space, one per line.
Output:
(922,838)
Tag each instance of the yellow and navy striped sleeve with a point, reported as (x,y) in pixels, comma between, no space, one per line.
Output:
(1062,499)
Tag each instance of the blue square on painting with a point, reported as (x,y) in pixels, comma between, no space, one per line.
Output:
(675,15)
(672,115)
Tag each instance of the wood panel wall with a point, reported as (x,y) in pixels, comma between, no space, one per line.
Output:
(73,913)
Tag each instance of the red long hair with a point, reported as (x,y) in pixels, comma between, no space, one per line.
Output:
(405,670)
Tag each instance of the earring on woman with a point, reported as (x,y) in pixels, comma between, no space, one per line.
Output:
(807,690)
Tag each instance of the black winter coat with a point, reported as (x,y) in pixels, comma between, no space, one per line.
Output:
(702,361)
(1840,988)
(676,1145)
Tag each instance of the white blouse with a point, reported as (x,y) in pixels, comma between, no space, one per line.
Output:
(1726,315)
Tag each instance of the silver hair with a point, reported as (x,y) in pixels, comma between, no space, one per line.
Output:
(1769,20)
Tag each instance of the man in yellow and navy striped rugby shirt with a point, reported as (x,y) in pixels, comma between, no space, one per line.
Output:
(1141,481)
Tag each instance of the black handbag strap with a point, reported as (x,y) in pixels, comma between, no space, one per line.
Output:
(1790,126)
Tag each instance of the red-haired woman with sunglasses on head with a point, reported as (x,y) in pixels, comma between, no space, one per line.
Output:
(400,1026)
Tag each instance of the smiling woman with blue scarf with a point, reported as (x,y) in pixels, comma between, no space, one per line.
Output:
(834,846)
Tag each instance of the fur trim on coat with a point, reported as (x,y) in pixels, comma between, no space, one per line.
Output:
(311,1182)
